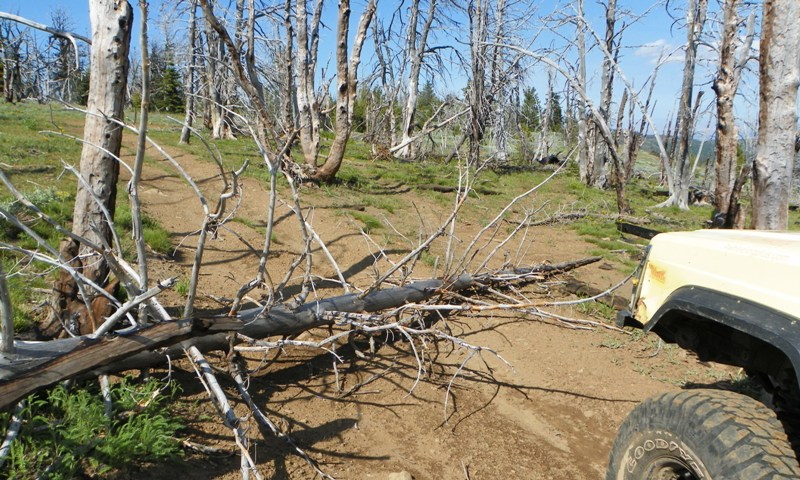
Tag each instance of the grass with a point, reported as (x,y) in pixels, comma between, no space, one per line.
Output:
(182,287)
(66,434)
(368,222)
(155,236)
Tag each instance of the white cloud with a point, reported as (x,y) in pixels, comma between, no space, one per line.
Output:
(659,50)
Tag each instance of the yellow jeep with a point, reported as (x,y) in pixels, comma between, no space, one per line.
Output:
(731,297)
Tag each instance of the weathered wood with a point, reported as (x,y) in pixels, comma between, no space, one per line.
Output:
(88,353)
(99,165)
(33,358)
(779,73)
(583,289)
(639,231)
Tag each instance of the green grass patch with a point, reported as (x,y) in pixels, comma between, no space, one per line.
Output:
(155,236)
(368,222)
(66,434)
(22,285)
(182,287)
(55,204)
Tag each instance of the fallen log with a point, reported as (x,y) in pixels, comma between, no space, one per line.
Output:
(143,347)
(88,353)
(637,230)
(583,289)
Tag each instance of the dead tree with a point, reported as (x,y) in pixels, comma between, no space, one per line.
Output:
(584,163)
(416,49)
(305,74)
(599,168)
(779,72)
(346,85)
(99,167)
(733,55)
(478,12)
(681,174)
(11,41)
(190,83)
(218,85)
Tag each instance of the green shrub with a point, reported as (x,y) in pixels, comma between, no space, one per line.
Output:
(65,433)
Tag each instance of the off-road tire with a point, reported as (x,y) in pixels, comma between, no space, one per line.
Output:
(702,434)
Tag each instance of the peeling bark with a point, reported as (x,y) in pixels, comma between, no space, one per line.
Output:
(779,79)
(111,32)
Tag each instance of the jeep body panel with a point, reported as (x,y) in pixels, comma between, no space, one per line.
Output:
(762,267)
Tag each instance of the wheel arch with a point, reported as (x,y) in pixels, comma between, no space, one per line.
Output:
(726,329)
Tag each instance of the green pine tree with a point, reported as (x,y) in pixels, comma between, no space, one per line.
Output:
(531,110)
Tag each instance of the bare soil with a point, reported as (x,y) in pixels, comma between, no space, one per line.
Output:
(553,415)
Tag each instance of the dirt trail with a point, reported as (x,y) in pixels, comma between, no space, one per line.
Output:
(552,417)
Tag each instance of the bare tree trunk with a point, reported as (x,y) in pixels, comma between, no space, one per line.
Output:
(111,34)
(216,78)
(725,86)
(598,173)
(6,315)
(478,19)
(584,163)
(288,98)
(307,105)
(346,85)
(416,46)
(679,190)
(190,81)
(498,88)
(779,73)
(385,136)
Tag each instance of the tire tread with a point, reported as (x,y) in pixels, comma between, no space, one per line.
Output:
(741,436)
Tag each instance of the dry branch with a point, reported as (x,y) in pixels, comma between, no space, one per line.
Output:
(40,364)
(88,354)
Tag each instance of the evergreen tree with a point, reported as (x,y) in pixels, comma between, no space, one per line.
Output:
(531,109)
(427,103)
(556,115)
(167,95)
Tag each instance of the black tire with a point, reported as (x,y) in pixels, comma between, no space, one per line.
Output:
(702,434)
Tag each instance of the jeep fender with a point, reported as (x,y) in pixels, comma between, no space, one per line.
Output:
(727,329)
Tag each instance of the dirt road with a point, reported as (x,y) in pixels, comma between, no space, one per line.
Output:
(552,415)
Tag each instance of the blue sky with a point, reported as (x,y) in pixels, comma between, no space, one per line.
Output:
(644,40)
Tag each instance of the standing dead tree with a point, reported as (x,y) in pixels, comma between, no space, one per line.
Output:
(416,50)
(611,43)
(734,55)
(346,85)
(190,87)
(305,75)
(681,164)
(99,169)
(779,73)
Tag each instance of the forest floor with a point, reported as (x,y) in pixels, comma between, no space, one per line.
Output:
(552,415)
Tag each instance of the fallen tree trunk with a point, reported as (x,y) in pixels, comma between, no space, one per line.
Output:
(142,348)
(89,353)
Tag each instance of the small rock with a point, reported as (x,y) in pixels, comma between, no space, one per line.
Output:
(400,476)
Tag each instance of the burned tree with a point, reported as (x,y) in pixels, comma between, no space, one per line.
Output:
(99,168)
(779,72)
(734,56)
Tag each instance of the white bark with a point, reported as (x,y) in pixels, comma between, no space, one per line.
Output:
(584,165)
(190,74)
(6,315)
(346,84)
(307,105)
(725,87)
(779,80)
(416,45)
(599,167)
(99,168)
(679,188)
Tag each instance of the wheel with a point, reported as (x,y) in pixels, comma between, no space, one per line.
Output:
(702,434)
